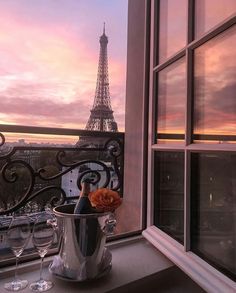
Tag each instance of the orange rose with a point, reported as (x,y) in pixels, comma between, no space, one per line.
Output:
(105,200)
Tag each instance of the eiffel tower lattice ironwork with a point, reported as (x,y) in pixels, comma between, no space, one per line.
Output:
(101,116)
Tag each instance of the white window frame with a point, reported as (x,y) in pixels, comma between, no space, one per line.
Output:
(199,270)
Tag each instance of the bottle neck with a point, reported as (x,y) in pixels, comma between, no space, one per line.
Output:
(85,189)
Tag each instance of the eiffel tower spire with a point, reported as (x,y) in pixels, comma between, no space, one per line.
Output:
(101,115)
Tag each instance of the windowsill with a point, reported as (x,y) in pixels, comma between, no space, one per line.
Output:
(136,264)
(198,270)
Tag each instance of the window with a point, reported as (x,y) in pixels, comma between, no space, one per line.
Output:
(172,27)
(169,193)
(192,150)
(210,13)
(171,102)
(214,87)
(213,208)
(49,85)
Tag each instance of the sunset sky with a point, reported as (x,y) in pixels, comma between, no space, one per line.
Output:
(49,53)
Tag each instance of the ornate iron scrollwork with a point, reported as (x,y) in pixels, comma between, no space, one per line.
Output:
(13,164)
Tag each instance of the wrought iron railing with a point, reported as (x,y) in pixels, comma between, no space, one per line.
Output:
(30,172)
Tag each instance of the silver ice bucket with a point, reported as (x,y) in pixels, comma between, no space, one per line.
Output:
(82,254)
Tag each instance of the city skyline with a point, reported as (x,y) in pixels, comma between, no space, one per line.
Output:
(49,63)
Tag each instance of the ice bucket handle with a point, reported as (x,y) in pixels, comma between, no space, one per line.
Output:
(110,225)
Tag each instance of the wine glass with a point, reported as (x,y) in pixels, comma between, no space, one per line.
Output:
(17,236)
(43,234)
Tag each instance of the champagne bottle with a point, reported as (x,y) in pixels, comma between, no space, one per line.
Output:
(90,225)
(83,205)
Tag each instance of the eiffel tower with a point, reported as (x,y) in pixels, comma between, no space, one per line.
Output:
(101,115)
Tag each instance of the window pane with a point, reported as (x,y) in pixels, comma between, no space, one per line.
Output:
(215,87)
(169,193)
(213,209)
(171,102)
(211,12)
(173,27)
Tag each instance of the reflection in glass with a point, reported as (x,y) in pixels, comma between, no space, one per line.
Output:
(173,27)
(169,193)
(215,86)
(213,208)
(171,101)
(211,12)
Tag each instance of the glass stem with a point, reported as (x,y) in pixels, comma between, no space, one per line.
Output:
(16,269)
(41,269)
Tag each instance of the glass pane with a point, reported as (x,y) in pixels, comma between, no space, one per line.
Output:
(169,193)
(211,12)
(49,62)
(215,87)
(171,102)
(213,191)
(173,27)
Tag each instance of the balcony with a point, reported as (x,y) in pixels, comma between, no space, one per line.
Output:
(54,171)
(38,176)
